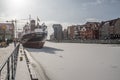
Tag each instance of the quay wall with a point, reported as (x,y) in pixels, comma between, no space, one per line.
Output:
(89,41)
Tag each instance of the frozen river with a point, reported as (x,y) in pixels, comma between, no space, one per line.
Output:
(76,61)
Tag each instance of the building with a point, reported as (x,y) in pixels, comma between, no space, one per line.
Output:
(110,29)
(86,32)
(94,29)
(90,31)
(73,32)
(104,30)
(65,35)
(57,32)
(6,31)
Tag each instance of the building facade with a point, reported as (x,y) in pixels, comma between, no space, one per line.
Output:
(110,29)
(57,32)
(65,35)
(6,31)
(73,32)
(90,30)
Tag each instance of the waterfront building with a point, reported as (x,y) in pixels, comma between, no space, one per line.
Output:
(73,32)
(57,32)
(94,29)
(65,35)
(89,31)
(110,29)
(86,33)
(6,31)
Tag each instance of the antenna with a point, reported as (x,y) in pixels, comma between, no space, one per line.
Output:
(29,17)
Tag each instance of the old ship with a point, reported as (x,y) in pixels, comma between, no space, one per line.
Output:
(34,35)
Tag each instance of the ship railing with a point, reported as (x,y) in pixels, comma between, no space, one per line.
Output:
(8,68)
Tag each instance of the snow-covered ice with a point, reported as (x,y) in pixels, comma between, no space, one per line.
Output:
(77,61)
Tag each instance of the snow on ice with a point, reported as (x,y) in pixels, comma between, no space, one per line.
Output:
(77,61)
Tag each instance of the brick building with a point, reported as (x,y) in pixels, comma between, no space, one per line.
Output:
(90,30)
(73,32)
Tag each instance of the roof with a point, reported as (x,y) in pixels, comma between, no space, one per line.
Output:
(111,22)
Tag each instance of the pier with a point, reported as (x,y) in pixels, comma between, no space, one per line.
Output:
(19,65)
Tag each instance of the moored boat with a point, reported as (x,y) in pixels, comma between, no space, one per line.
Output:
(34,36)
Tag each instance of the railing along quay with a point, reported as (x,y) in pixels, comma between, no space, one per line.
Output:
(8,68)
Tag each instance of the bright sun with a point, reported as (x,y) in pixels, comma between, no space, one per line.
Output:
(17,4)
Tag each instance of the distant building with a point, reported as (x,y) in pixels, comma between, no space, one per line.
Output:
(86,32)
(83,32)
(104,30)
(57,32)
(110,29)
(94,28)
(65,35)
(90,30)
(6,31)
(73,32)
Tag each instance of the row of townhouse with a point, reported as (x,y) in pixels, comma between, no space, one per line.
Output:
(89,31)
(110,29)
(94,30)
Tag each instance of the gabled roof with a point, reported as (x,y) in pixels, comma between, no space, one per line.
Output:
(111,22)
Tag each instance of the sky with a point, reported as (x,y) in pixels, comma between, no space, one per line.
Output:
(65,12)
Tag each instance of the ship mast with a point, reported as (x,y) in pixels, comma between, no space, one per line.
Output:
(29,17)
(38,20)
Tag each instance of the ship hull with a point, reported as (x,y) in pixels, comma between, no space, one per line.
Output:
(36,44)
(34,40)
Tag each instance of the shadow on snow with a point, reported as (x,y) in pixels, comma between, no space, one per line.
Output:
(45,49)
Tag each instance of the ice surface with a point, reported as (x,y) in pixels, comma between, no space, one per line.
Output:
(76,61)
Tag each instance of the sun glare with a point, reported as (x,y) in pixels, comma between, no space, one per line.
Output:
(17,4)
